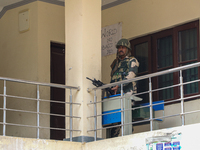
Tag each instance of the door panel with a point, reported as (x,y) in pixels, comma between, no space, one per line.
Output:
(57,94)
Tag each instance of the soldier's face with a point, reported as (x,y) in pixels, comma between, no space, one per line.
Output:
(122,51)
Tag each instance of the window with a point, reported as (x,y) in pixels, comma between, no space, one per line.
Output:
(167,49)
(142,49)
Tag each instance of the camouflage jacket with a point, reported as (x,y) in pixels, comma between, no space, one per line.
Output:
(125,69)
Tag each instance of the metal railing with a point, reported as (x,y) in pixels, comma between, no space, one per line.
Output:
(181,99)
(38,100)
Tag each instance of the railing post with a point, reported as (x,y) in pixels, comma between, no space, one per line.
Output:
(182,100)
(122,111)
(150,102)
(95,116)
(71,115)
(38,112)
(4,109)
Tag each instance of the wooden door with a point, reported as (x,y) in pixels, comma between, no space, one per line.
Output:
(57,94)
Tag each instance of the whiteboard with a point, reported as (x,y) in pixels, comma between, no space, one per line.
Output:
(110,35)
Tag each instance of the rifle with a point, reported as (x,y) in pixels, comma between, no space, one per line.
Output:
(98,83)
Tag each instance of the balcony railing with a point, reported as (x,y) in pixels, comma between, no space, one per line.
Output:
(151,103)
(37,89)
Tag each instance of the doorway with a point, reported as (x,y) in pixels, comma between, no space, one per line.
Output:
(57,64)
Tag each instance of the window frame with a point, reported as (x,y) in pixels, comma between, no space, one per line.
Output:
(155,37)
(137,42)
(152,55)
(194,24)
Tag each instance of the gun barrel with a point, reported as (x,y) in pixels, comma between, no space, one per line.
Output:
(89,79)
(98,83)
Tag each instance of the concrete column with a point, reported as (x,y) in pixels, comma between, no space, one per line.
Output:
(83,58)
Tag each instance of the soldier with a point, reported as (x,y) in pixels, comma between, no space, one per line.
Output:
(123,67)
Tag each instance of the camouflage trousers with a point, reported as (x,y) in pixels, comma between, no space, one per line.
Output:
(115,132)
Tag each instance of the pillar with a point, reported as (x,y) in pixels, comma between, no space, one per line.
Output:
(83,59)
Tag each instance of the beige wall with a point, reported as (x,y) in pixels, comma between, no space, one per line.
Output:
(142,17)
(174,121)
(18,59)
(13,143)
(83,56)
(19,50)
(27,56)
(51,28)
(188,137)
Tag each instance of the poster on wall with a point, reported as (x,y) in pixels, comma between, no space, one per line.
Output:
(165,143)
(110,35)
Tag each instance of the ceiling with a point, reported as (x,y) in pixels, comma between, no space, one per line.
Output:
(105,3)
(8,2)
(4,3)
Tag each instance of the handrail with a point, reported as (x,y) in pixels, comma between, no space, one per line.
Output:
(35,99)
(147,76)
(121,99)
(37,106)
(40,83)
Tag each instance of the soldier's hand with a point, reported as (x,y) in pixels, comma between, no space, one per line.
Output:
(115,89)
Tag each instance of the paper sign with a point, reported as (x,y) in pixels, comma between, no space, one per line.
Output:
(110,35)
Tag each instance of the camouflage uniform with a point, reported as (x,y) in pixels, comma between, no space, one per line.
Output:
(127,69)
(123,70)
